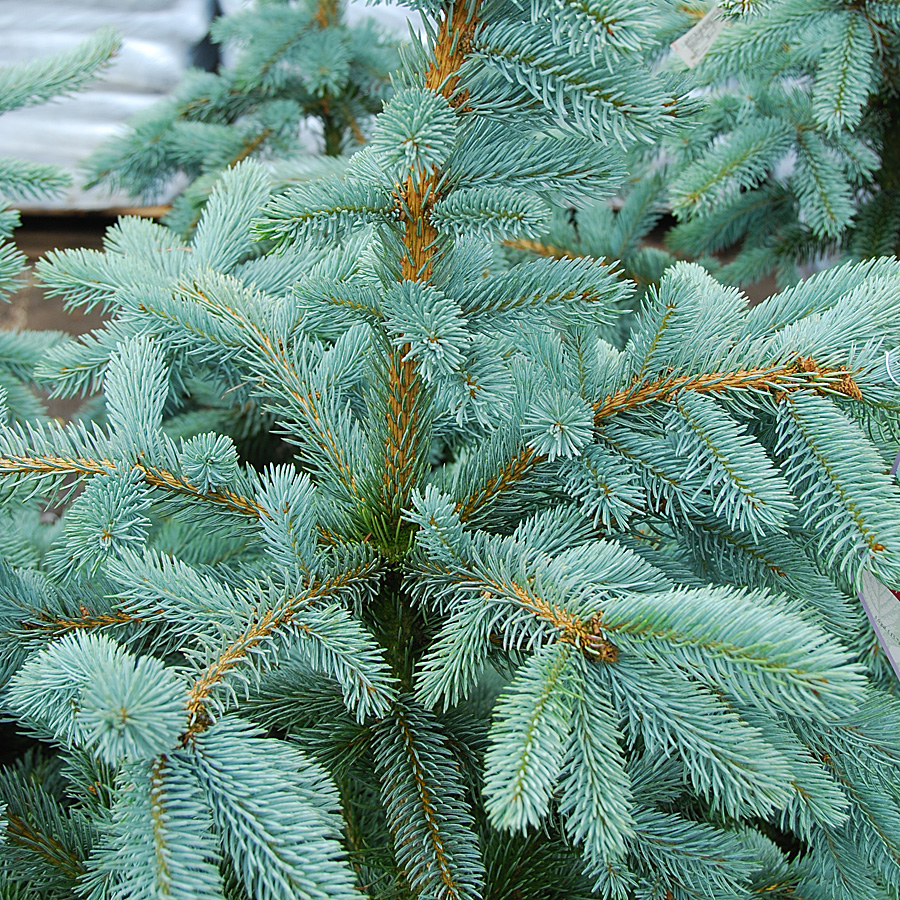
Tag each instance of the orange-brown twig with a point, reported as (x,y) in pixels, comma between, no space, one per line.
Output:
(415,198)
(801,374)
(254,634)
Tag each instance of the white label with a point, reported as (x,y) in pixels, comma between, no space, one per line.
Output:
(883,610)
(693,45)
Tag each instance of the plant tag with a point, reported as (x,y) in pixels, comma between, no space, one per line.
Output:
(693,45)
(883,609)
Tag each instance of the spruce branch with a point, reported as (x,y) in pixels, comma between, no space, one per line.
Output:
(87,620)
(45,843)
(528,739)
(512,472)
(47,847)
(430,823)
(275,810)
(20,179)
(36,82)
(780,380)
(280,375)
(261,630)
(55,466)
(600,820)
(159,837)
(803,374)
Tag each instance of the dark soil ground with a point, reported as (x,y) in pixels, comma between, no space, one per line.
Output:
(30,307)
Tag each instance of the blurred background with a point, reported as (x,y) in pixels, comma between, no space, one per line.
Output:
(162,39)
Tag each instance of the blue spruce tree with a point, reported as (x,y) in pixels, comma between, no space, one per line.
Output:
(527,611)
